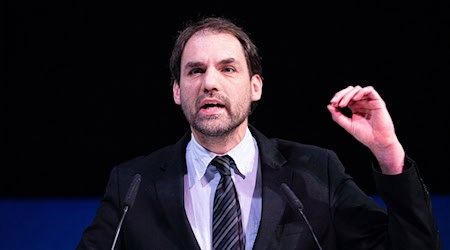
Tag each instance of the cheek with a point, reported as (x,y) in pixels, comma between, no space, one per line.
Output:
(241,98)
(187,97)
(243,95)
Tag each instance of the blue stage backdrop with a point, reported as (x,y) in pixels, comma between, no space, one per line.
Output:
(57,224)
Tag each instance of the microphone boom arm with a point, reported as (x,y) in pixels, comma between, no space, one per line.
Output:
(296,204)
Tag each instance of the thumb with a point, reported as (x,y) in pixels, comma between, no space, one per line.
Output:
(339,117)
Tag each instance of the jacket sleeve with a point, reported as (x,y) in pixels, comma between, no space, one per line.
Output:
(407,221)
(411,222)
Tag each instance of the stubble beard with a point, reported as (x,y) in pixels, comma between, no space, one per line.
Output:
(217,125)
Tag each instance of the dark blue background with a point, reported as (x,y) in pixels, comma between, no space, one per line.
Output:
(57,224)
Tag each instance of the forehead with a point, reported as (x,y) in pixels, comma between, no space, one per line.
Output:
(207,45)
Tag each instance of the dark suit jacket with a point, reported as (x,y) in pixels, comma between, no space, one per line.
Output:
(341,215)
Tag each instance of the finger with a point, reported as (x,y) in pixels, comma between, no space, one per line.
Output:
(367,92)
(339,117)
(366,104)
(349,96)
(338,96)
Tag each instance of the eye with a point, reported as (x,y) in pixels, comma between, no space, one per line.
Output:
(195,71)
(228,69)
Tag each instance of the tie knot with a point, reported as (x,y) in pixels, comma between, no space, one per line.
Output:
(223,163)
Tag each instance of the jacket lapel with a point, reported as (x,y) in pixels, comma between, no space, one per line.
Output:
(273,175)
(170,191)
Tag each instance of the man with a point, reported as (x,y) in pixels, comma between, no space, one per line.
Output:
(217,79)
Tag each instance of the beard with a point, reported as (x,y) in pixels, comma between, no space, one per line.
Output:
(218,125)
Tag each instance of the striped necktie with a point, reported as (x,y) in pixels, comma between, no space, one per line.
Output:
(227,222)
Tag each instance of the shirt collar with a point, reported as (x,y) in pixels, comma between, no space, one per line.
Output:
(202,157)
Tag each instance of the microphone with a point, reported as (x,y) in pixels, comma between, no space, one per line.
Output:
(128,203)
(296,204)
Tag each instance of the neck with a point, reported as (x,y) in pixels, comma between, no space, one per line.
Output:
(221,144)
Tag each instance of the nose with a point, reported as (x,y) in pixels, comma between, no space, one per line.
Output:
(211,80)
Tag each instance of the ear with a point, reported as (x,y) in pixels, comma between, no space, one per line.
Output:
(256,87)
(176,92)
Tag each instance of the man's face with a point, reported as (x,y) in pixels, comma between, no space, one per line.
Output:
(215,90)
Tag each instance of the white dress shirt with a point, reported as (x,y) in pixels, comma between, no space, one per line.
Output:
(201,181)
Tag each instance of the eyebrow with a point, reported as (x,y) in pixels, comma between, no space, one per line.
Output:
(199,64)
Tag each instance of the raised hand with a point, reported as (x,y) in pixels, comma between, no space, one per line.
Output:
(370,123)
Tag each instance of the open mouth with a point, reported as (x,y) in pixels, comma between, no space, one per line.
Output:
(212,105)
